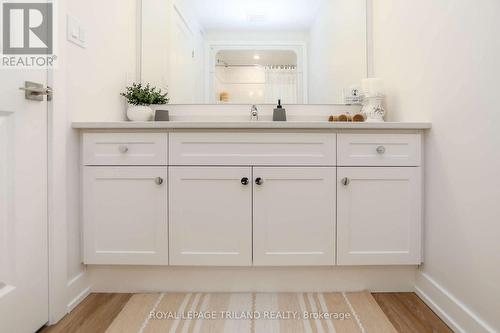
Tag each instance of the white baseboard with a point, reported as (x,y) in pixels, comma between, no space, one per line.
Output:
(78,289)
(451,310)
(78,299)
(131,279)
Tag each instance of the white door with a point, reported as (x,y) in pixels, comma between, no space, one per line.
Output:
(182,77)
(210,216)
(379,216)
(125,215)
(23,204)
(294,216)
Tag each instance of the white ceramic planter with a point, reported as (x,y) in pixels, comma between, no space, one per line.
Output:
(140,113)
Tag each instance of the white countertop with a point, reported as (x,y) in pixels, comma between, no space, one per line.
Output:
(250,125)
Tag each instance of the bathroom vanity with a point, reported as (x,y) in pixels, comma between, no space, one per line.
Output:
(252,193)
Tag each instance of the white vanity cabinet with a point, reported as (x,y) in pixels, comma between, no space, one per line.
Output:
(262,197)
(379,216)
(210,216)
(294,216)
(379,199)
(288,206)
(125,215)
(252,148)
(124,198)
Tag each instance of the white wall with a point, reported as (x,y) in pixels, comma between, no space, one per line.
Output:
(337,50)
(87,84)
(98,74)
(441,62)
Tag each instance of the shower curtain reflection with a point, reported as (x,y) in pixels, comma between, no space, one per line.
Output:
(280,83)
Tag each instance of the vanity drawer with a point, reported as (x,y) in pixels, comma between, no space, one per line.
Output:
(379,149)
(125,148)
(230,148)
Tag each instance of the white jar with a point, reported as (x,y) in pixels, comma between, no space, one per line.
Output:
(373,108)
(140,113)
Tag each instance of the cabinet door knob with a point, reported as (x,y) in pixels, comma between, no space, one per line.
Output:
(259,181)
(345,181)
(381,149)
(159,181)
(245,181)
(123,149)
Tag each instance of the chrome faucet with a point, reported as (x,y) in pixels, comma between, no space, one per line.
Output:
(254,113)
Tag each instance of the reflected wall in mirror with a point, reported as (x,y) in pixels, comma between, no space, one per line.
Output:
(254,52)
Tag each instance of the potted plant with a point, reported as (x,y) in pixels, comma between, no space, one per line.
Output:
(140,98)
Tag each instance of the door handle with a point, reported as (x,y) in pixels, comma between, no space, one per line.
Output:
(259,181)
(35,91)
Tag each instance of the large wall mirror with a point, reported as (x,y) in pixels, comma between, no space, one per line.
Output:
(254,52)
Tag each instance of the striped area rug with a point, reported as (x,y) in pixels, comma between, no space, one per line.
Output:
(252,313)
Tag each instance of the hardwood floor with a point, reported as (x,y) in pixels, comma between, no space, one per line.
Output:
(406,311)
(93,315)
(409,314)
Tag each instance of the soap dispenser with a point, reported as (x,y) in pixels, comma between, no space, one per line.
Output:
(279,113)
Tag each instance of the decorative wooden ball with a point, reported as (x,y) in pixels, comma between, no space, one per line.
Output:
(343,117)
(358,118)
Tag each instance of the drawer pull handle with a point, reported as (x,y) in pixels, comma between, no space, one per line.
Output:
(159,181)
(381,149)
(123,149)
(259,181)
(345,181)
(245,181)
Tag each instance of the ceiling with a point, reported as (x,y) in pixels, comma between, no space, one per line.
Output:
(255,14)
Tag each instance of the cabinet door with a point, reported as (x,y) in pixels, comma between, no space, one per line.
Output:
(125,215)
(210,216)
(294,216)
(379,216)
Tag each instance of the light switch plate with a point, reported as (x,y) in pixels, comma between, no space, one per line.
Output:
(77,34)
(74,33)
(82,35)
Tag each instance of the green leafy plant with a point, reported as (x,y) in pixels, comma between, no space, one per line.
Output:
(137,94)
